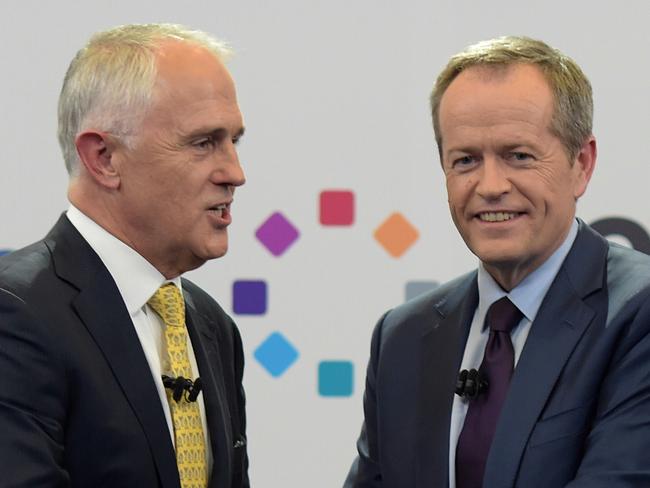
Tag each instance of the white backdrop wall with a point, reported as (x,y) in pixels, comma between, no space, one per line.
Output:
(335,97)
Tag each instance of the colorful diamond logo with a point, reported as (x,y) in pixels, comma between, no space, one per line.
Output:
(276,354)
(396,235)
(337,207)
(277,234)
(249,297)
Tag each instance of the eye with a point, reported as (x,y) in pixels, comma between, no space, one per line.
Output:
(464,163)
(520,156)
(204,143)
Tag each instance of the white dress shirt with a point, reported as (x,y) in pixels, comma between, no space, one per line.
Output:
(137,280)
(527,296)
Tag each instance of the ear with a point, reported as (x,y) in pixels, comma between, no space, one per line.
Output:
(96,152)
(584,164)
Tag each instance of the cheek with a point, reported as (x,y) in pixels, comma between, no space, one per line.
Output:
(450,194)
(451,184)
(183,188)
(458,191)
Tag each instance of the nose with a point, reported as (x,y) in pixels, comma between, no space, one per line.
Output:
(229,170)
(493,179)
(237,176)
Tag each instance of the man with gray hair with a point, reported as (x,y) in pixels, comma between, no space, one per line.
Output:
(115,370)
(531,371)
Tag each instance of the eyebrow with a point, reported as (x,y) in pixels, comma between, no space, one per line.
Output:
(462,149)
(212,131)
(507,147)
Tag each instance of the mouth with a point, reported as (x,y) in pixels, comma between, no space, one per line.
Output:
(222,210)
(497,216)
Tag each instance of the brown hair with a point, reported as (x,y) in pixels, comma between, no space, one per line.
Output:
(573,115)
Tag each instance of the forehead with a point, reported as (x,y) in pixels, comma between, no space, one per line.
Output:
(192,87)
(488,97)
(186,67)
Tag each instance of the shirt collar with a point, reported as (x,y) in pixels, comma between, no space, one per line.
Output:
(136,278)
(529,294)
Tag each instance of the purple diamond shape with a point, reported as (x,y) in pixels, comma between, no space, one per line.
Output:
(277,234)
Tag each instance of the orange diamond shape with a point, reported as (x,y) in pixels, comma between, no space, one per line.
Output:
(396,234)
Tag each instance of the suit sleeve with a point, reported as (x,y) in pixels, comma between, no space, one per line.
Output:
(241,406)
(617,450)
(32,400)
(366,468)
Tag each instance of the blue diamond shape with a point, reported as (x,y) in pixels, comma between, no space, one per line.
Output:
(335,378)
(276,354)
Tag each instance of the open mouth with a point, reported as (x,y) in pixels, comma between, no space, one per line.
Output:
(220,210)
(497,216)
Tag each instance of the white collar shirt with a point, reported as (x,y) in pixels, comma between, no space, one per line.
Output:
(137,280)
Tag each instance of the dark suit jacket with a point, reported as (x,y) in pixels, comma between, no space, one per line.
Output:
(78,404)
(578,410)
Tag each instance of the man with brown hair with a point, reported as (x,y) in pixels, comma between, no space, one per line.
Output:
(531,371)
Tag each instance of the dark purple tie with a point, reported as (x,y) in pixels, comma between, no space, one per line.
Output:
(483,412)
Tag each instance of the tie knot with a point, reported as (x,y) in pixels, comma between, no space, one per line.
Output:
(503,315)
(168,303)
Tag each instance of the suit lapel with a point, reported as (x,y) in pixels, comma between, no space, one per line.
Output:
(441,352)
(102,311)
(205,345)
(560,323)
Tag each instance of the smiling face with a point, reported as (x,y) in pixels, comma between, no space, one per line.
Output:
(512,190)
(177,182)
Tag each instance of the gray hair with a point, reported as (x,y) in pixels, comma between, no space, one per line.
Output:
(109,83)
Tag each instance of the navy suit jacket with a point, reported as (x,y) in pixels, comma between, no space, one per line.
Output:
(78,404)
(577,413)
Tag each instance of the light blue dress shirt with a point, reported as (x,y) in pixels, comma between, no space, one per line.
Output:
(527,296)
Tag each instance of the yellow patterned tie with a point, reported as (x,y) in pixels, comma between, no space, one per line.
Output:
(188,429)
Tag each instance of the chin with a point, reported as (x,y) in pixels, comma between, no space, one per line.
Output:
(216,251)
(213,247)
(219,254)
(498,257)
